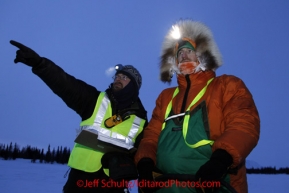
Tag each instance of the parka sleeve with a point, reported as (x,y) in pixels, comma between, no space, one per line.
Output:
(78,95)
(241,120)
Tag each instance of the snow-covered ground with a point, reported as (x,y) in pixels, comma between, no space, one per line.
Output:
(22,176)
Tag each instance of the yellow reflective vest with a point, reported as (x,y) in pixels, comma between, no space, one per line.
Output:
(123,135)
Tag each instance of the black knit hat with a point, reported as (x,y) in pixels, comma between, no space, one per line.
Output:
(131,72)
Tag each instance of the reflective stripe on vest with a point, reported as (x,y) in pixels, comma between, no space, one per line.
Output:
(187,116)
(124,134)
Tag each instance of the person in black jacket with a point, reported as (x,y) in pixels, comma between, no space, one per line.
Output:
(115,118)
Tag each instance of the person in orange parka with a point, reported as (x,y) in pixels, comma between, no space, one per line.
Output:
(204,127)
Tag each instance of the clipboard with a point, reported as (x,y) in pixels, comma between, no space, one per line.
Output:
(90,139)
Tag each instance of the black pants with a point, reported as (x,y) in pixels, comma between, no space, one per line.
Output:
(84,182)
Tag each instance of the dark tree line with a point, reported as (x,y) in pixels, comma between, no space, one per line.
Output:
(268,170)
(13,151)
(61,155)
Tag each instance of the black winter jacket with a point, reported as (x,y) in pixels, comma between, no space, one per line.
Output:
(78,95)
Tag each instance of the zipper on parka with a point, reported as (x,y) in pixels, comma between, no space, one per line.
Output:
(186,93)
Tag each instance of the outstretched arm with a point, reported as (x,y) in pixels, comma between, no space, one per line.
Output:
(77,95)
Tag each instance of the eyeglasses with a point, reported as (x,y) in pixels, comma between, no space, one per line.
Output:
(121,77)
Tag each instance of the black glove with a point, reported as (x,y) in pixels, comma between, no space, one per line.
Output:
(145,170)
(121,166)
(214,170)
(26,55)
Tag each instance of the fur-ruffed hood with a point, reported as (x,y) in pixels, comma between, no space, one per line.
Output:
(197,34)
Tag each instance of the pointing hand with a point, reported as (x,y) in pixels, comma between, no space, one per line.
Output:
(26,55)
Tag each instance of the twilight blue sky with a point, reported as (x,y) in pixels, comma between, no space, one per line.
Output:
(87,37)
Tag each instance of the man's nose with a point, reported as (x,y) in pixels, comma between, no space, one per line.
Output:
(184,55)
(117,79)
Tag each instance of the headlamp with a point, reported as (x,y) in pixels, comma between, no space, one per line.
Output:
(175,33)
(118,67)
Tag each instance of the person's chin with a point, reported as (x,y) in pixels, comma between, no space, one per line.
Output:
(117,88)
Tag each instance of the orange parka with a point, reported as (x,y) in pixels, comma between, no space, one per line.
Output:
(233,118)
